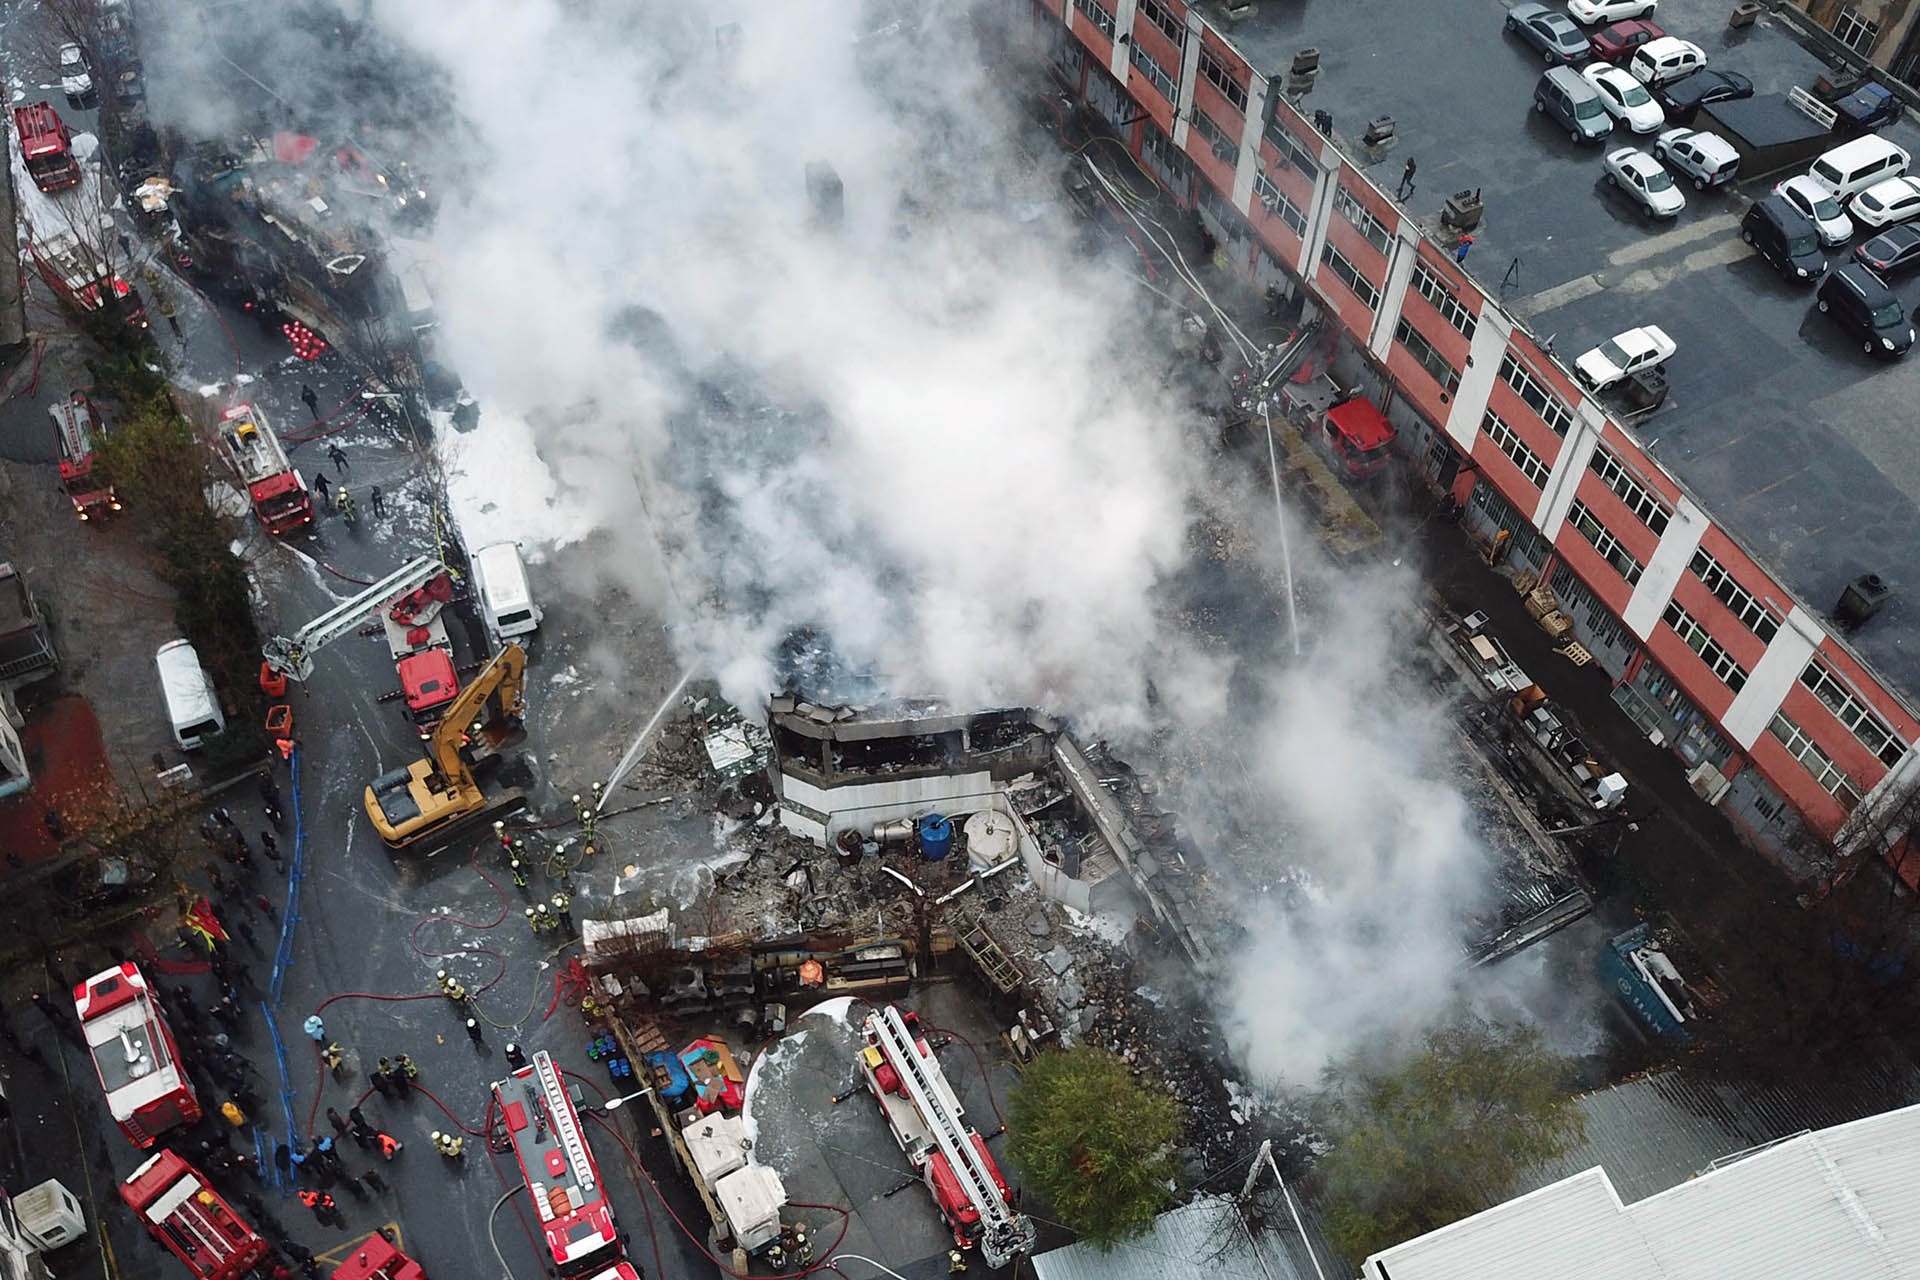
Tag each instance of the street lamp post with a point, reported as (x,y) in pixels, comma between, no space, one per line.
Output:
(837,1258)
(614,1104)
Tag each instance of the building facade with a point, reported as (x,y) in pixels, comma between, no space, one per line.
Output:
(1882,32)
(1775,718)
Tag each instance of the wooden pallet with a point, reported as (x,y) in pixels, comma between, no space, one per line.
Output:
(1576,653)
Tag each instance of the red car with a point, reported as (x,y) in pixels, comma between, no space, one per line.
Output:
(1617,42)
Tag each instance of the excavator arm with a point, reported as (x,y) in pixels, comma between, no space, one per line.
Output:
(487,713)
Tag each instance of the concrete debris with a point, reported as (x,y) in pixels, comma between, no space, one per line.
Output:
(1037,925)
(1059,960)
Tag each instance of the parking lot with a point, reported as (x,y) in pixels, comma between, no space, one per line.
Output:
(1779,423)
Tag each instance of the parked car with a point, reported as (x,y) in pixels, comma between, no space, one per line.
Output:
(1625,98)
(1617,42)
(1591,12)
(1553,35)
(1785,237)
(1641,177)
(1706,159)
(77,82)
(1570,101)
(1893,252)
(1860,103)
(1682,99)
(1665,60)
(1817,204)
(1624,355)
(1860,302)
(1886,202)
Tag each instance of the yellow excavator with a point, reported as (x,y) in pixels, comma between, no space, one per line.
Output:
(437,795)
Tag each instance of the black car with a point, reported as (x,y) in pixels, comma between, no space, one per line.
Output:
(1860,302)
(1682,99)
(1786,238)
(1894,250)
(1554,35)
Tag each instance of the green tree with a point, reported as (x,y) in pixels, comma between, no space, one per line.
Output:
(1442,1135)
(1094,1143)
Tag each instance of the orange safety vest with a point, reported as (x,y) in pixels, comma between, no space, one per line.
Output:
(310,1198)
(388,1144)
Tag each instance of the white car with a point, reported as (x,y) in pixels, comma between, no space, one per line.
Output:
(75,80)
(1665,60)
(1886,202)
(1640,176)
(1625,98)
(1706,159)
(1624,355)
(1819,207)
(1591,12)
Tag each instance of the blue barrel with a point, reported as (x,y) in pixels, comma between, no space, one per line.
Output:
(936,837)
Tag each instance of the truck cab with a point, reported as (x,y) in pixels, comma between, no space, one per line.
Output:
(1359,437)
(77,426)
(46,146)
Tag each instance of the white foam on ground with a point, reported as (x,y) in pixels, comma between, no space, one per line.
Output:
(501,489)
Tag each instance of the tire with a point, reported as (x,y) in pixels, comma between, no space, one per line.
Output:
(1548,55)
(1574,134)
(1541,107)
(1821,305)
(1512,26)
(1699,184)
(1747,236)
(1611,180)
(1868,345)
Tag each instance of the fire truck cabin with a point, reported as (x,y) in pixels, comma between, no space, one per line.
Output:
(134,1054)
(46,146)
(77,426)
(191,1219)
(378,1258)
(1359,437)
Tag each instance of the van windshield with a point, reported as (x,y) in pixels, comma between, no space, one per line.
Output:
(204,729)
(1801,245)
(516,618)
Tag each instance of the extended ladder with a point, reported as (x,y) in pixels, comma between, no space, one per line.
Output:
(566,1125)
(1004,1233)
(292,656)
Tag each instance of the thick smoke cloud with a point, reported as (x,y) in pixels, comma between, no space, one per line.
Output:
(930,433)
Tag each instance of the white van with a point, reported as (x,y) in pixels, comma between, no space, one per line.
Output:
(1854,166)
(192,708)
(500,588)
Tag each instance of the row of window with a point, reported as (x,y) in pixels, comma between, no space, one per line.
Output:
(1293,151)
(1098,16)
(1873,733)
(1649,507)
(1161,15)
(1218,139)
(1162,79)
(1752,614)
(1220,76)
(1430,358)
(1535,395)
(1701,641)
(1583,519)
(1443,299)
(1275,201)
(1350,276)
(1508,441)
(1832,779)
(1348,206)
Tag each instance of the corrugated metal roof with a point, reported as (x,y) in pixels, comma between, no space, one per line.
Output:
(1840,1204)
(1205,1240)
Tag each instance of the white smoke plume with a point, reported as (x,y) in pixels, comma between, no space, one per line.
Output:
(931,433)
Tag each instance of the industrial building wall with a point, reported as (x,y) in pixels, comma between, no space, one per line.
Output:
(1659,576)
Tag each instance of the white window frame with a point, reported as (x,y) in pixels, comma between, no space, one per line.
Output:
(1530,389)
(1648,507)
(1601,539)
(1361,219)
(1697,638)
(1857,33)
(1508,441)
(1161,15)
(1854,715)
(1218,74)
(1156,75)
(1100,17)
(1744,605)
(1443,299)
(1215,134)
(1358,285)
(1830,777)
(1421,348)
(1275,201)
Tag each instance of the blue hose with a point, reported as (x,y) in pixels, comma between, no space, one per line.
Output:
(282,960)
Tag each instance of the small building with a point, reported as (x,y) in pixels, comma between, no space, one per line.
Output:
(1209,1239)
(1835,1202)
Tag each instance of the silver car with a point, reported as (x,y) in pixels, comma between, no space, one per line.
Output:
(1641,177)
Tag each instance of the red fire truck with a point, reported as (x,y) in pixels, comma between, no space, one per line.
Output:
(77,274)
(562,1178)
(76,424)
(944,1149)
(190,1218)
(134,1054)
(278,494)
(378,1258)
(46,146)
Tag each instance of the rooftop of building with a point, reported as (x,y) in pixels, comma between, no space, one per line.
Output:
(1834,1203)
(1794,440)
(1208,1239)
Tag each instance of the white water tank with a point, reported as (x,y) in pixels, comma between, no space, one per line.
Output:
(991,839)
(49,1215)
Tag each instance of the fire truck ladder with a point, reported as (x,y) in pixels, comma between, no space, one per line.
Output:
(292,656)
(70,417)
(1005,1234)
(566,1125)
